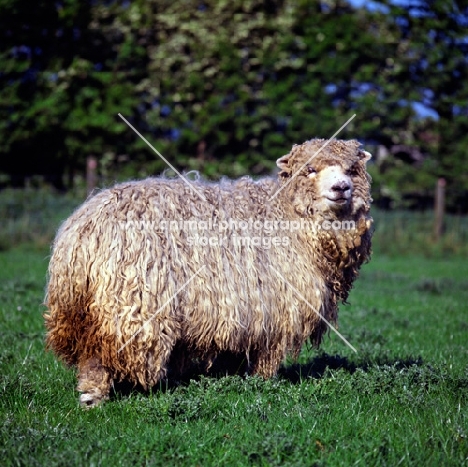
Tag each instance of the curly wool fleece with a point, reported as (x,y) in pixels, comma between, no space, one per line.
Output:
(127,299)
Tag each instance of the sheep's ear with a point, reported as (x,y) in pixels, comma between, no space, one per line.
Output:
(365,156)
(283,164)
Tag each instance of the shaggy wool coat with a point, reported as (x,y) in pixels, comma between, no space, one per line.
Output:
(141,297)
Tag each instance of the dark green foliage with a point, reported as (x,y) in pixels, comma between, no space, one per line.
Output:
(429,65)
(61,88)
(227,87)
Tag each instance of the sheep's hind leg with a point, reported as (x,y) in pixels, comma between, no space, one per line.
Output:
(94,383)
(266,363)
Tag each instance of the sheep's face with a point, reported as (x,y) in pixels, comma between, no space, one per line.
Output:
(331,180)
(334,187)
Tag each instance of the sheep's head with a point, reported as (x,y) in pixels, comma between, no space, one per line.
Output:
(331,180)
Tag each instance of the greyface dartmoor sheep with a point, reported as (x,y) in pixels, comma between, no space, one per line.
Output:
(134,292)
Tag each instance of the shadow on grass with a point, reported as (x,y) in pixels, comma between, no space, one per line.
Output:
(230,365)
(318,366)
(225,364)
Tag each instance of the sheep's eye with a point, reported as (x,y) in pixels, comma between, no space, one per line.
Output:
(352,171)
(310,170)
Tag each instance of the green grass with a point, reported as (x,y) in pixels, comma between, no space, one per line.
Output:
(402,400)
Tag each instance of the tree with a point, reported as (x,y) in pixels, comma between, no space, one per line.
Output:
(232,85)
(431,64)
(226,87)
(60,89)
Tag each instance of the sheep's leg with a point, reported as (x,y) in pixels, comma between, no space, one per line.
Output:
(94,383)
(266,363)
(167,352)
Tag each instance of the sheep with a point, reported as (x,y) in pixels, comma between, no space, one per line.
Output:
(134,293)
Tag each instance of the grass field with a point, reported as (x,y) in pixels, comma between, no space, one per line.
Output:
(401,400)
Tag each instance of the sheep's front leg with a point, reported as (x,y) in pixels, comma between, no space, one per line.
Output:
(94,383)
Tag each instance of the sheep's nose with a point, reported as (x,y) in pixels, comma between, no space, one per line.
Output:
(341,187)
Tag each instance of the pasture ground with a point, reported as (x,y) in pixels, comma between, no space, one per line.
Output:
(401,400)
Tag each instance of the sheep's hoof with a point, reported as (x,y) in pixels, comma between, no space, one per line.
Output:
(93,383)
(89,400)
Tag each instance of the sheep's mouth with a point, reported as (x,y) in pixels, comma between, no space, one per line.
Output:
(340,200)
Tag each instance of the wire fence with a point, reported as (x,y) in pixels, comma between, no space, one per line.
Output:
(33,216)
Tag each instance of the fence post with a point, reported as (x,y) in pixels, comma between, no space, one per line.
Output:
(201,146)
(439,207)
(91,176)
